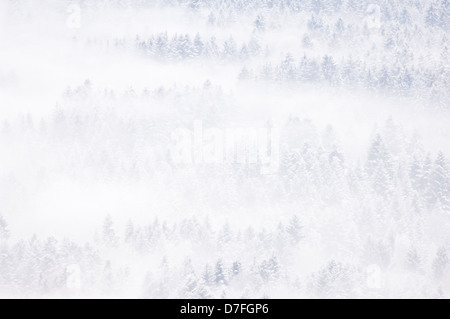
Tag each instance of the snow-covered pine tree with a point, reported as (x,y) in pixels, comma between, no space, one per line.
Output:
(198,46)
(379,167)
(288,70)
(108,234)
(294,230)
(260,24)
(230,49)
(329,70)
(220,278)
(432,17)
(4,231)
(440,263)
(440,183)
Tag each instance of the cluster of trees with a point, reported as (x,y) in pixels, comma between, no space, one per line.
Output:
(387,46)
(396,190)
(310,166)
(48,267)
(434,12)
(37,267)
(157,235)
(427,84)
(391,57)
(222,262)
(390,209)
(390,167)
(181,47)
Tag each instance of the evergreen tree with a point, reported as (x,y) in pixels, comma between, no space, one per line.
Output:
(109,235)
(244,75)
(259,23)
(211,19)
(377,155)
(198,46)
(269,269)
(212,49)
(161,45)
(229,49)
(329,69)
(4,232)
(236,268)
(432,18)
(129,232)
(440,183)
(208,276)
(294,230)
(220,274)
(244,54)
(379,166)
(306,42)
(413,259)
(194,4)
(440,263)
(287,69)
(253,46)
(445,14)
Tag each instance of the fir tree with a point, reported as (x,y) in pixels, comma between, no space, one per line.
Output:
(219,274)
(432,18)
(294,230)
(109,235)
(4,232)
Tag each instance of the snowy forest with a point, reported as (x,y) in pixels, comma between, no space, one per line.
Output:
(93,204)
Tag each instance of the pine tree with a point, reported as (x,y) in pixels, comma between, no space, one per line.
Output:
(194,4)
(259,23)
(339,27)
(253,46)
(416,175)
(109,235)
(244,74)
(294,230)
(244,52)
(306,42)
(4,232)
(198,46)
(329,69)
(379,167)
(229,49)
(440,263)
(315,24)
(162,45)
(129,232)
(269,269)
(191,287)
(333,281)
(211,19)
(358,6)
(236,268)
(287,69)
(212,49)
(174,48)
(440,183)
(208,276)
(377,154)
(445,14)
(309,70)
(225,236)
(413,259)
(426,176)
(185,50)
(405,18)
(432,18)
(219,274)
